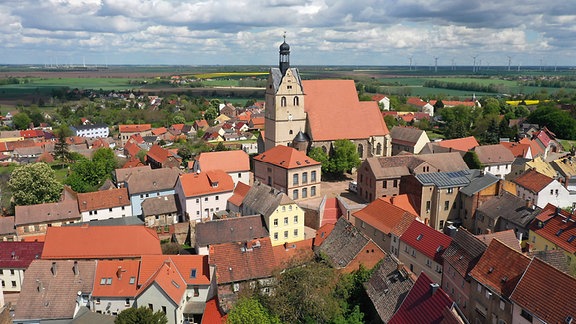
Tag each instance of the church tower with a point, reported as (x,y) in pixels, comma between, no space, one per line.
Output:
(284,111)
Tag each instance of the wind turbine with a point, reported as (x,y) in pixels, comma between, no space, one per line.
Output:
(452,64)
(410,58)
(509,61)
(474,66)
(435,63)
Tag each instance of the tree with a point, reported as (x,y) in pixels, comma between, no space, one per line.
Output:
(141,315)
(211,114)
(105,161)
(390,121)
(249,310)
(61,147)
(345,157)
(220,147)
(87,175)
(34,183)
(178,119)
(318,154)
(21,121)
(472,160)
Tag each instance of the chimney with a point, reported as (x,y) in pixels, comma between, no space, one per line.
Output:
(488,231)
(529,203)
(75,268)
(399,266)
(119,272)
(53,268)
(433,288)
(40,285)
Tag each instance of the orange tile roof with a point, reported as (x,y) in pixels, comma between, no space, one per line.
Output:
(401,201)
(134,128)
(169,280)
(507,237)
(103,199)
(536,149)
(517,149)
(500,268)
(558,228)
(292,254)
(533,180)
(382,215)
(159,131)
(415,101)
(239,193)
(116,278)
(286,157)
(334,111)
(187,265)
(132,148)
(203,183)
(322,233)
(104,242)
(461,144)
(228,161)
(546,293)
(158,154)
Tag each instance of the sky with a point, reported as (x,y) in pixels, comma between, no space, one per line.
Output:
(320,32)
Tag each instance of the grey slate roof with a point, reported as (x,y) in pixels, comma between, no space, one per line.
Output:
(47,212)
(555,258)
(95,126)
(130,220)
(277,76)
(399,165)
(160,205)
(228,230)
(405,135)
(263,199)
(343,244)
(509,207)
(152,180)
(7,225)
(48,295)
(447,179)
(464,251)
(494,154)
(479,182)
(388,287)
(121,175)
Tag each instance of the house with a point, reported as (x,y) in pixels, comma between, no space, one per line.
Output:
(459,258)
(421,105)
(195,284)
(239,266)
(543,295)
(495,159)
(382,100)
(384,223)
(203,193)
(388,286)
(283,218)
(15,257)
(421,249)
(34,220)
(201,124)
(408,139)
(7,229)
(479,190)
(228,230)
(461,145)
(555,229)
(95,130)
(105,204)
(55,290)
(383,176)
(236,163)
(538,164)
(542,190)
(128,130)
(234,203)
(519,150)
(427,303)
(161,211)
(115,286)
(507,237)
(324,110)
(347,248)
(143,183)
(493,280)
(158,157)
(122,175)
(503,212)
(565,168)
(105,242)
(547,141)
(289,171)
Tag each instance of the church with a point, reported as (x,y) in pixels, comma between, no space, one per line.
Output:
(314,113)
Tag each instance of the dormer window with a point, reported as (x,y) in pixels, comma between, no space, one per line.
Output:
(193,273)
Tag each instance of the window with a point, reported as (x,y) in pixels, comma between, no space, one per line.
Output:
(296,101)
(363,225)
(13,284)
(395,183)
(479,288)
(164,309)
(196,291)
(275,222)
(285,234)
(502,305)
(197,200)
(305,177)
(428,263)
(446,205)
(304,192)
(450,190)
(12,272)
(132,280)
(551,191)
(103,281)
(276,236)
(205,198)
(441,224)
(295,179)
(193,273)
(285,220)
(296,219)
(526,315)
(384,184)
(283,102)
(122,207)
(151,307)
(295,232)
(217,198)
(313,176)
(295,194)
(127,302)
(428,203)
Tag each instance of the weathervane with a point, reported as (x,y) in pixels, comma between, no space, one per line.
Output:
(284,36)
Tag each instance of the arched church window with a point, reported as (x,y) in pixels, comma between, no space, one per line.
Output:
(296,101)
(324,149)
(361,150)
(379,149)
(283,102)
(291,132)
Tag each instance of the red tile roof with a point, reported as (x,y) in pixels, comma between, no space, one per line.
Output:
(158,154)
(421,305)
(292,254)
(322,233)
(533,180)
(500,268)
(546,293)
(426,240)
(103,199)
(100,242)
(229,161)
(234,264)
(116,278)
(346,117)
(19,255)
(187,265)
(131,148)
(159,131)
(415,101)
(286,157)
(557,226)
(535,148)
(239,193)
(461,144)
(134,128)
(213,314)
(206,183)
(382,215)
(378,97)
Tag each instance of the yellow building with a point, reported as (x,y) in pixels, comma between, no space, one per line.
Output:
(283,218)
(555,229)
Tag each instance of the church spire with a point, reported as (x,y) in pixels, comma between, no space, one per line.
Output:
(284,56)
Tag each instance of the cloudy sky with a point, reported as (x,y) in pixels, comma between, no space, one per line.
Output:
(320,32)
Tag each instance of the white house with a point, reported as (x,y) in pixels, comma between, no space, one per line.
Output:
(236,163)
(15,257)
(203,193)
(96,130)
(105,204)
(496,159)
(115,286)
(542,190)
(143,183)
